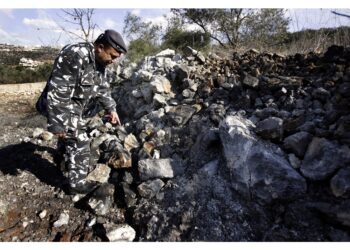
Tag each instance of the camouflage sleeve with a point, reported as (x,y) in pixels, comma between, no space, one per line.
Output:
(63,113)
(104,96)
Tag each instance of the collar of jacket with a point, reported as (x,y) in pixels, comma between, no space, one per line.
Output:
(92,58)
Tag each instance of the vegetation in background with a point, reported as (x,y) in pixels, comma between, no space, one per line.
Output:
(20,74)
(144,37)
(233,27)
(177,38)
(219,30)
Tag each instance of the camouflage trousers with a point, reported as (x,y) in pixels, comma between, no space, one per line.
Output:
(75,151)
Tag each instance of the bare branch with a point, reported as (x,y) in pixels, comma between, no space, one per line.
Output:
(340,14)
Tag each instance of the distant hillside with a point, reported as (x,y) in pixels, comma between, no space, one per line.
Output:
(11,55)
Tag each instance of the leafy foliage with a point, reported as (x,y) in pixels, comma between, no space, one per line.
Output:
(177,38)
(144,36)
(140,48)
(231,27)
(20,74)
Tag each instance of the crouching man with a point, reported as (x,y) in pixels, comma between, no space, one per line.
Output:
(77,79)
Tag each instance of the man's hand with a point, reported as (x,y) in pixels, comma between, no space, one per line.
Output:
(114,118)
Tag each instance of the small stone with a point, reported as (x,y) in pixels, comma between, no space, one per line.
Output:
(145,75)
(46,136)
(43,214)
(251,81)
(100,173)
(294,161)
(150,188)
(148,146)
(340,183)
(119,233)
(160,168)
(76,197)
(62,220)
(122,160)
(91,222)
(128,178)
(37,132)
(131,142)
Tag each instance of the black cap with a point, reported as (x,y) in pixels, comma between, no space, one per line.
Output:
(115,40)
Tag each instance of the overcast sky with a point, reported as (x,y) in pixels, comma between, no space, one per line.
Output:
(41,26)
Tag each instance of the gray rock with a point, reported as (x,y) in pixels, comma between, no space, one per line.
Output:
(197,54)
(297,143)
(129,195)
(62,220)
(119,233)
(182,72)
(166,53)
(160,84)
(147,91)
(128,178)
(323,158)
(100,173)
(336,213)
(37,132)
(46,136)
(270,128)
(130,142)
(344,89)
(150,188)
(294,161)
(42,214)
(159,101)
(188,93)
(211,168)
(180,115)
(321,94)
(251,81)
(127,72)
(102,199)
(145,75)
(158,168)
(257,169)
(340,183)
(136,93)
(3,207)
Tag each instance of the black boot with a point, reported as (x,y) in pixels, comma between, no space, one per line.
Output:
(85,188)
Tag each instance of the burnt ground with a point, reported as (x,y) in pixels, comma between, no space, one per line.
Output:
(30,181)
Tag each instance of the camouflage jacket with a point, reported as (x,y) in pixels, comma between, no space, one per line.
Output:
(75,81)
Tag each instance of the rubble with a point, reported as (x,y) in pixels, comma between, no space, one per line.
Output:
(248,147)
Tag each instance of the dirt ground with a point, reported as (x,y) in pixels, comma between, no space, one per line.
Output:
(31,198)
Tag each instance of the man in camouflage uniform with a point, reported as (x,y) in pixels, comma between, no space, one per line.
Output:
(79,77)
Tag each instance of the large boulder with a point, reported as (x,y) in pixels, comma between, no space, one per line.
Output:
(323,158)
(258,169)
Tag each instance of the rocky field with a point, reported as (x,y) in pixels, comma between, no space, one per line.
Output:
(242,147)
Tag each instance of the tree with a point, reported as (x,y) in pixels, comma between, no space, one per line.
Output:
(222,24)
(176,37)
(82,19)
(136,28)
(267,28)
(144,36)
(228,26)
(340,14)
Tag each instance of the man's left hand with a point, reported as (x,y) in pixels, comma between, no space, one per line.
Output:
(114,118)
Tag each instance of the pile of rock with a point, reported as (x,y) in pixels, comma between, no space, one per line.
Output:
(254,146)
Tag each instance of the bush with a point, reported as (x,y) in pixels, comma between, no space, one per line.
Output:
(20,74)
(178,40)
(140,48)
